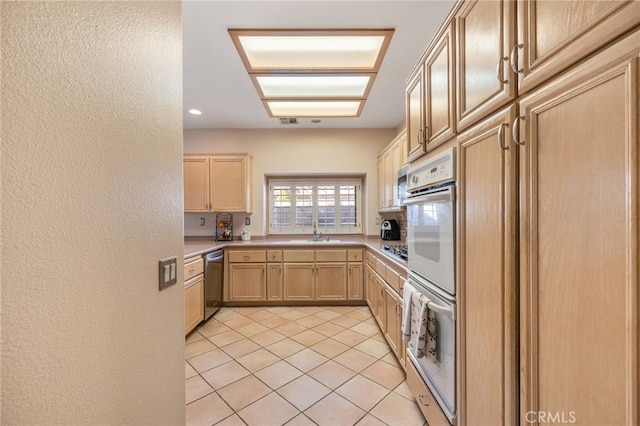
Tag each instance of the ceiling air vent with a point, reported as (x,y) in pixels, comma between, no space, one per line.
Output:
(288,121)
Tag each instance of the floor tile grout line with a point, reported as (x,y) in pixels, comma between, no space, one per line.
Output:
(367,337)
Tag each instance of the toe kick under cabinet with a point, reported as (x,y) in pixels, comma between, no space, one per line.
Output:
(288,276)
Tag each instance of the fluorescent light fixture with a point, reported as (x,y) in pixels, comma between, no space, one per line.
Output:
(195,112)
(312,73)
(314,108)
(313,86)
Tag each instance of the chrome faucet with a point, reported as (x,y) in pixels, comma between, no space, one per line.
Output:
(316,234)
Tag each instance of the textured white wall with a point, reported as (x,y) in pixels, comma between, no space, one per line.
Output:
(91,198)
(293,151)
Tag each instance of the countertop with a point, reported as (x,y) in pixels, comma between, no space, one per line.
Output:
(196,246)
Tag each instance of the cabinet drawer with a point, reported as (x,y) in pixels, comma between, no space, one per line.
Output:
(247,256)
(274,255)
(331,255)
(298,255)
(424,398)
(193,268)
(354,255)
(371,259)
(393,279)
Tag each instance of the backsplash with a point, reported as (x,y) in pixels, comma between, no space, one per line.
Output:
(192,226)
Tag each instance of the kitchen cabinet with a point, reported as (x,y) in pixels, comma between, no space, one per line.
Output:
(315,274)
(487,290)
(196,184)
(385,303)
(425,399)
(552,36)
(218,183)
(430,96)
(230,189)
(578,232)
(274,275)
(193,293)
(246,276)
(390,160)
(485,34)
(355,277)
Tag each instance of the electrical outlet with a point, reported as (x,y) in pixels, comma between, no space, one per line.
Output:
(202,221)
(378,220)
(247,221)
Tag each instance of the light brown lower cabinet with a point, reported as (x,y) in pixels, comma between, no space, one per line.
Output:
(193,293)
(193,303)
(247,282)
(425,399)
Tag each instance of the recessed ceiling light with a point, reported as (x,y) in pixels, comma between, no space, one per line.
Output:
(195,111)
(312,73)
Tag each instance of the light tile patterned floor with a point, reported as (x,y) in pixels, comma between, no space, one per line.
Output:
(299,365)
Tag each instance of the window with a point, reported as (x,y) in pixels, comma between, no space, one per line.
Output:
(333,205)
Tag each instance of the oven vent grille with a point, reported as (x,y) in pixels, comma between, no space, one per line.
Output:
(288,121)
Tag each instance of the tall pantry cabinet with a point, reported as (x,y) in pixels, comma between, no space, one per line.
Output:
(547,116)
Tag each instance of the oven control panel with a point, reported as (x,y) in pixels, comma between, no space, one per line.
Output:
(435,170)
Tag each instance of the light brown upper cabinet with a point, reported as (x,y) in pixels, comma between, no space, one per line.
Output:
(430,96)
(553,35)
(390,160)
(485,34)
(196,183)
(218,183)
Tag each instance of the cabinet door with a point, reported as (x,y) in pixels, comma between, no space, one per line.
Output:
(487,273)
(485,32)
(274,281)
(229,184)
(193,303)
(553,35)
(247,282)
(381,303)
(414,100)
(388,184)
(298,281)
(371,291)
(355,281)
(381,182)
(331,281)
(579,241)
(196,183)
(396,164)
(439,108)
(393,320)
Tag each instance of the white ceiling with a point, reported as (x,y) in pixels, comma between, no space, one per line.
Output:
(216,82)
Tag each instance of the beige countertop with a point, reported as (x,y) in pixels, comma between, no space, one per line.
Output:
(197,246)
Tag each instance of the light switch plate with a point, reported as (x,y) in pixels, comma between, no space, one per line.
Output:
(166,272)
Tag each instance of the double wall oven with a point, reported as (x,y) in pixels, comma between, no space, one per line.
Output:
(431,222)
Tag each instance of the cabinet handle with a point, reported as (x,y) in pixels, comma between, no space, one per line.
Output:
(419,137)
(246,257)
(501,136)
(426,404)
(514,58)
(516,131)
(499,70)
(397,313)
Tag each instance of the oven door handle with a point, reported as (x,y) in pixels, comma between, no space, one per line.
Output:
(440,196)
(444,310)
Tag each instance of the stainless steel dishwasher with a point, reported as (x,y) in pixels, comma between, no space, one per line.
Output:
(213,275)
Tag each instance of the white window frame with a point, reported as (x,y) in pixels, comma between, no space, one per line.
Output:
(307,228)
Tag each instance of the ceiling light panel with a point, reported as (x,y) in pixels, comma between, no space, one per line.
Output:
(313,86)
(293,50)
(314,108)
(312,73)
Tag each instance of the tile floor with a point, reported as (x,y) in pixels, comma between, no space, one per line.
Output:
(299,365)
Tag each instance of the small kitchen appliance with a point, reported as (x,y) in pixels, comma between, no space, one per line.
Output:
(390,230)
